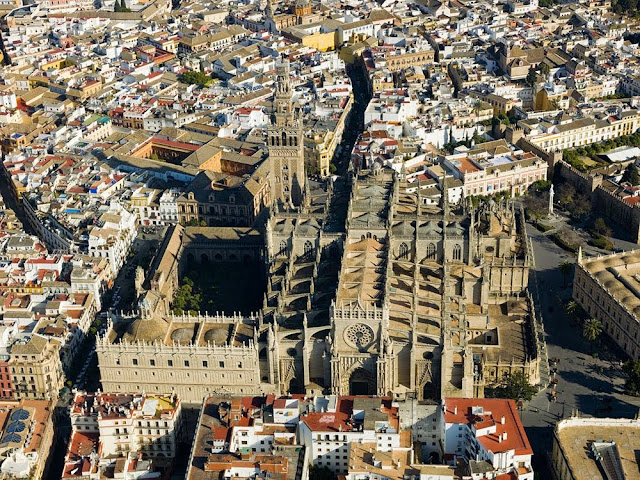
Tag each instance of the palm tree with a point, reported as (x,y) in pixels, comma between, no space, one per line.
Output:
(592,329)
(573,309)
(565,269)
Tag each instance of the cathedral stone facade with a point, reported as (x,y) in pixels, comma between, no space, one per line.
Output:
(370,289)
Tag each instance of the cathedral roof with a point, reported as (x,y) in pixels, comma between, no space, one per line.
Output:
(431,228)
(368,219)
(403,228)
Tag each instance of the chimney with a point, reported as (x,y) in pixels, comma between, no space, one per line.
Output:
(502,420)
(504,436)
(455,410)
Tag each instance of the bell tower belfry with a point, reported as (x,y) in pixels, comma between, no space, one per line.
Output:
(285,142)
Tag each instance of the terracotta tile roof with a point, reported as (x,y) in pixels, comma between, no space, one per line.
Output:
(459,411)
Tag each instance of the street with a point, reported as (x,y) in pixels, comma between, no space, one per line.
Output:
(592,386)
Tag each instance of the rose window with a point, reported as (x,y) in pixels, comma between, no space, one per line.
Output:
(358,335)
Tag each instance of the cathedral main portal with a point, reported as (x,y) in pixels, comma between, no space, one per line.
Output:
(361,382)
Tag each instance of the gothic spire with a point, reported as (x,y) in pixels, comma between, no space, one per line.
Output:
(444,196)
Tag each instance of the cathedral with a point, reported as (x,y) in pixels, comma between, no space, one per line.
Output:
(370,289)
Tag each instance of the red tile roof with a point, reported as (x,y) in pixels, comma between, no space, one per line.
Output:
(494,409)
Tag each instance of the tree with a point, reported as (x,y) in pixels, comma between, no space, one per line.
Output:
(530,80)
(632,385)
(581,205)
(536,206)
(198,78)
(565,269)
(573,309)
(631,175)
(541,186)
(592,329)
(601,227)
(544,69)
(566,194)
(516,387)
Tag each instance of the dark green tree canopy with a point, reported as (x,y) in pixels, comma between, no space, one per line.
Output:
(631,175)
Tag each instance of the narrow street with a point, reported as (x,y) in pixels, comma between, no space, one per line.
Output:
(11,201)
(355,123)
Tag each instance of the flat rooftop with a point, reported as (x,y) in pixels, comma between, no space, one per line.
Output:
(576,434)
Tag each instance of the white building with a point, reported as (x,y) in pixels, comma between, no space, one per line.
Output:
(147,424)
(169,206)
(334,422)
(486,430)
(113,236)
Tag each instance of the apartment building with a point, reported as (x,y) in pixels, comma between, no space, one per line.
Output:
(113,236)
(488,432)
(36,369)
(27,437)
(250,438)
(142,423)
(333,423)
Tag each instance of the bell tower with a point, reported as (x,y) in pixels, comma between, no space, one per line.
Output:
(285,143)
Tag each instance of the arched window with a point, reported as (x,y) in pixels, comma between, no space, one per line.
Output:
(403,252)
(284,139)
(457,252)
(283,246)
(308,248)
(431,251)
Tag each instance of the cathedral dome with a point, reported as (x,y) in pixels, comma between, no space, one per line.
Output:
(217,335)
(146,330)
(182,336)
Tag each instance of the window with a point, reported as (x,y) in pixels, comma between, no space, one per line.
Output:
(205,364)
(170,363)
(135,361)
(403,251)
(186,363)
(152,362)
(308,248)
(431,251)
(221,364)
(457,252)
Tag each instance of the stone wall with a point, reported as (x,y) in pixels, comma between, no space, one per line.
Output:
(602,199)
(628,216)
(582,182)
